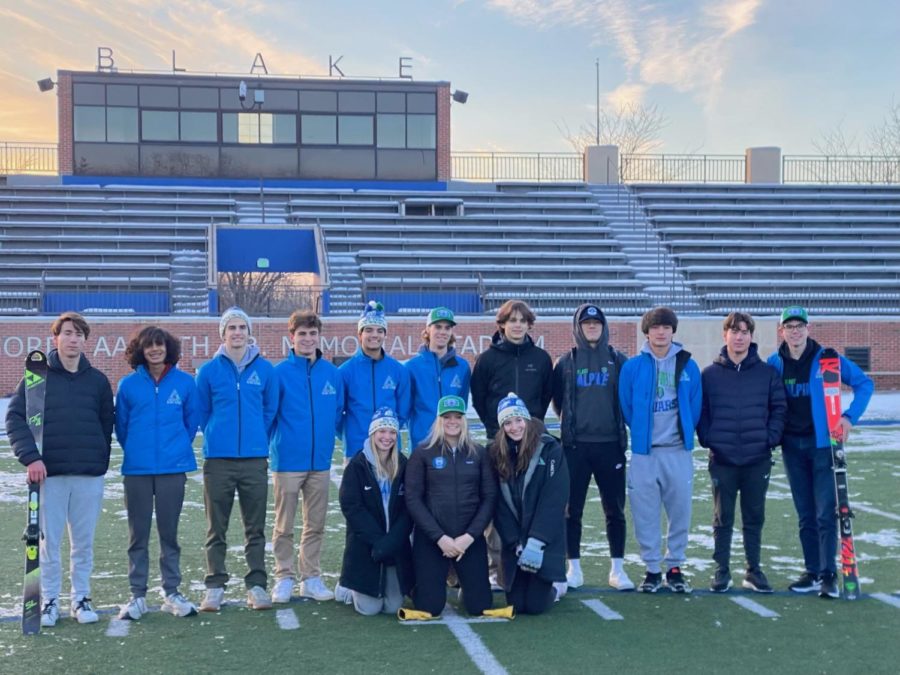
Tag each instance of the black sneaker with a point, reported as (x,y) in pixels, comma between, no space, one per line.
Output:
(807,583)
(676,582)
(829,586)
(652,583)
(721,582)
(756,581)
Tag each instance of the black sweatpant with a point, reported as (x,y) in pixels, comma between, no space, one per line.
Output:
(752,481)
(606,463)
(431,567)
(530,594)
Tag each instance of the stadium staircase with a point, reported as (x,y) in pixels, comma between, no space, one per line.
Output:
(663,282)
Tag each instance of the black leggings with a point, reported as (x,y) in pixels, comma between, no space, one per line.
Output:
(530,594)
(606,462)
(431,567)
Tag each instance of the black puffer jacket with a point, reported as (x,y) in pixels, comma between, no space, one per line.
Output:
(744,408)
(449,493)
(542,491)
(505,367)
(78,421)
(371,547)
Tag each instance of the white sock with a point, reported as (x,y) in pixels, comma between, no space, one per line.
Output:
(617,564)
(575,565)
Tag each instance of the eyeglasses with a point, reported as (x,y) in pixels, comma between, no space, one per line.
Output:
(794,327)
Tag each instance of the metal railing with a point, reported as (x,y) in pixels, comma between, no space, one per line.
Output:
(19,158)
(653,168)
(517,166)
(267,293)
(848,169)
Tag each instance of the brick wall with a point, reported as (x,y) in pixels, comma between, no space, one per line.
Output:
(65,150)
(200,340)
(443,133)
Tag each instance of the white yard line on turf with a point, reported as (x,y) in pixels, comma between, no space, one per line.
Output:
(889,599)
(754,607)
(481,656)
(603,611)
(335,476)
(856,507)
(118,628)
(287,619)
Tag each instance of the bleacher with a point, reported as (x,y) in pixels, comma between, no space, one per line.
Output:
(471,250)
(145,249)
(835,249)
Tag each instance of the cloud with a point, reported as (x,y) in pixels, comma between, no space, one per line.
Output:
(685,47)
(625,95)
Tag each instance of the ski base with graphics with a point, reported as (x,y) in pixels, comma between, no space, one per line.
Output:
(830,366)
(35,390)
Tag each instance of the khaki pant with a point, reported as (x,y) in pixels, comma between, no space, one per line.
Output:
(288,486)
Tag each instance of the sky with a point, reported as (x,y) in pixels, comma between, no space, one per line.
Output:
(726,74)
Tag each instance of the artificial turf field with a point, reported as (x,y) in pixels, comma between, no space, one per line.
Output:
(666,633)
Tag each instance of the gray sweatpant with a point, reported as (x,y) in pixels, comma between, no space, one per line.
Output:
(664,478)
(389,604)
(72,501)
(167,490)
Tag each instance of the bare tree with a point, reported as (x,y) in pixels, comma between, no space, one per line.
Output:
(251,291)
(633,127)
(876,161)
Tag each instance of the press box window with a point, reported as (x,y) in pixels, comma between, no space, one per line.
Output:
(199,127)
(355,130)
(121,125)
(420,132)
(318,130)
(90,123)
(392,131)
(259,128)
(159,125)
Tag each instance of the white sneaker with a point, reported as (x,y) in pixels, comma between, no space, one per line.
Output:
(212,601)
(575,577)
(561,588)
(257,598)
(619,580)
(343,595)
(178,605)
(134,610)
(315,589)
(283,590)
(50,613)
(83,611)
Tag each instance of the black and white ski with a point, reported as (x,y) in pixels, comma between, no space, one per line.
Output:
(35,390)
(830,366)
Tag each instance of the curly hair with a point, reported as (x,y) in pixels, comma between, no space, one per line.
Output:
(152,335)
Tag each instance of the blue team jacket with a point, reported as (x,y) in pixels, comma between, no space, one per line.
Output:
(237,410)
(851,375)
(369,385)
(156,423)
(310,408)
(637,391)
(430,379)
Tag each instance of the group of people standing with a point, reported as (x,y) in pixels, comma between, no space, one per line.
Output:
(451,511)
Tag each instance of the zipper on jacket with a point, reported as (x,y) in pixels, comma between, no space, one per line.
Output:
(156,426)
(239,414)
(374,399)
(312,417)
(437,369)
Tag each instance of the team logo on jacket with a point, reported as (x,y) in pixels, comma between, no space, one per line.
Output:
(439,462)
(456,383)
(328,390)
(254,378)
(389,383)
(685,377)
(174,398)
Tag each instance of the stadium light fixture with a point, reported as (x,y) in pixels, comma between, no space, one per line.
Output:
(460,96)
(46,84)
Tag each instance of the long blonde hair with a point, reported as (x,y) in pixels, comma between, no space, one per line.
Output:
(436,437)
(527,447)
(385,468)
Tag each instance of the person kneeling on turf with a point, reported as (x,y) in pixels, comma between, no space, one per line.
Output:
(377,565)
(531,509)
(450,494)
